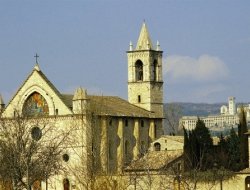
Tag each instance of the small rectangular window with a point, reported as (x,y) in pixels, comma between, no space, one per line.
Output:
(142,123)
(110,122)
(139,98)
(126,123)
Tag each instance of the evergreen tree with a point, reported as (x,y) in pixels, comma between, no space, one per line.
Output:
(186,150)
(197,147)
(233,144)
(204,145)
(222,153)
(242,130)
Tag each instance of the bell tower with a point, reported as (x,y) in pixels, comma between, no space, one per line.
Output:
(145,83)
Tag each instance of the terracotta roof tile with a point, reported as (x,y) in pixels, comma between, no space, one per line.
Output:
(155,160)
(111,105)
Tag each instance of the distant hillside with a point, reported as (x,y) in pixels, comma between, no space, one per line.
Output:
(193,109)
(197,109)
(190,109)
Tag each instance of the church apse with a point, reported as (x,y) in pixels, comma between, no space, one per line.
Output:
(35,105)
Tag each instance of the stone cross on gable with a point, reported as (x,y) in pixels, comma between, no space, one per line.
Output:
(36,56)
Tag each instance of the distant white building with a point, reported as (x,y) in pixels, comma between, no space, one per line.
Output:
(228,117)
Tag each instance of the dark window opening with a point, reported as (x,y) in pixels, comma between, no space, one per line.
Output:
(65,157)
(126,122)
(36,133)
(247,183)
(139,98)
(66,184)
(110,122)
(126,147)
(142,123)
(139,70)
(157,146)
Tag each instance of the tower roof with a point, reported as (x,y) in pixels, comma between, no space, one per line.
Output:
(80,94)
(144,42)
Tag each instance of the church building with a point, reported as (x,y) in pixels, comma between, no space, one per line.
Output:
(109,132)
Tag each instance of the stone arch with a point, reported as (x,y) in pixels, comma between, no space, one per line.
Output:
(157,146)
(43,93)
(138,70)
(35,105)
(247,183)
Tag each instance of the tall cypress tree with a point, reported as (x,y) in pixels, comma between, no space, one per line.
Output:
(204,145)
(222,152)
(233,148)
(187,161)
(197,147)
(242,130)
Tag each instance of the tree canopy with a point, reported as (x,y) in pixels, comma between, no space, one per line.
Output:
(27,151)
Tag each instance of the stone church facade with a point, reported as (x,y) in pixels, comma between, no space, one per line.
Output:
(109,132)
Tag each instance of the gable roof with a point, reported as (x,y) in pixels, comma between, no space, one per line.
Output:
(111,106)
(103,105)
(155,160)
(43,76)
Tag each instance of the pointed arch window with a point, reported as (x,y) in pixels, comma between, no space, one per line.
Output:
(139,70)
(35,105)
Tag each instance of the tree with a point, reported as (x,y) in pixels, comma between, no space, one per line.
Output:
(30,150)
(197,147)
(233,143)
(242,130)
(199,158)
(222,152)
(173,113)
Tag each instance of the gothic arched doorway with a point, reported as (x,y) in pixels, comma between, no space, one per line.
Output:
(247,183)
(65,184)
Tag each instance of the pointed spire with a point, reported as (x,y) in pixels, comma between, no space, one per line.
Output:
(80,94)
(144,41)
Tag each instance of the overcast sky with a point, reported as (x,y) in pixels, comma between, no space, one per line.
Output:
(206,45)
